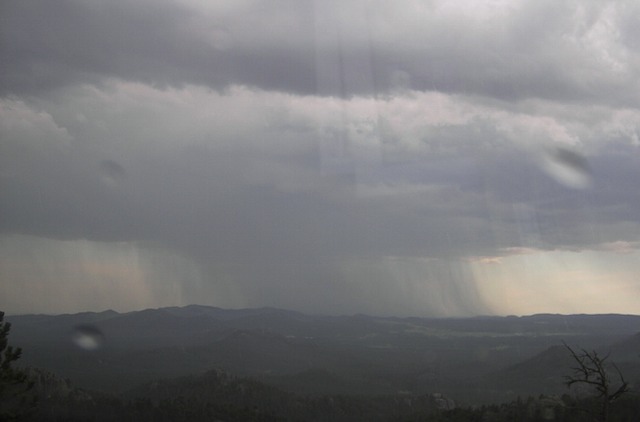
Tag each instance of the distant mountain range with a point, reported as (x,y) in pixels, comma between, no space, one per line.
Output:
(471,359)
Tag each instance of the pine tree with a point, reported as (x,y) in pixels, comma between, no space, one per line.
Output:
(13,382)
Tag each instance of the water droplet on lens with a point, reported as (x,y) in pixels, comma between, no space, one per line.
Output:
(567,167)
(88,337)
(111,172)
(221,39)
(400,81)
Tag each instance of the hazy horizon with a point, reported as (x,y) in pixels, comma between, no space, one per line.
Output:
(425,158)
(320,314)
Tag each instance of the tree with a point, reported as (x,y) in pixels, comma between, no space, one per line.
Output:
(8,355)
(13,382)
(591,371)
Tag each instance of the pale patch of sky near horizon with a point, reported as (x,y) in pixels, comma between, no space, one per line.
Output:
(65,276)
(53,276)
(555,281)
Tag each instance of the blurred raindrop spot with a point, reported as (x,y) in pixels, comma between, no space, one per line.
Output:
(87,337)
(111,173)
(221,39)
(400,81)
(567,167)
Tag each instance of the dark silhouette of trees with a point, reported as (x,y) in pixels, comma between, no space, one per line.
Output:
(8,375)
(591,370)
(13,382)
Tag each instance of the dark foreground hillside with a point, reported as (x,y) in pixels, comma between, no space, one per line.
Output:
(204,363)
(217,396)
(213,396)
(475,360)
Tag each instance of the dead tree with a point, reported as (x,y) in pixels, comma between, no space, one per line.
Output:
(591,371)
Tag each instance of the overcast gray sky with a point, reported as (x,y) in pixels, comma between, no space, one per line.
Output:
(436,157)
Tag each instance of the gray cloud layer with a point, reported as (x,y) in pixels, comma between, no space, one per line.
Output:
(544,49)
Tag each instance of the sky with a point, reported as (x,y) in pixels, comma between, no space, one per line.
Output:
(426,158)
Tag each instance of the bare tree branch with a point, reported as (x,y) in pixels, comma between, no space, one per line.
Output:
(591,370)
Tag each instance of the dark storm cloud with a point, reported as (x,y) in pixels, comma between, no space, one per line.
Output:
(194,200)
(242,175)
(262,196)
(546,212)
(530,49)
(51,44)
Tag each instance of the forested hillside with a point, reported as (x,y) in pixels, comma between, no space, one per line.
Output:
(203,363)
